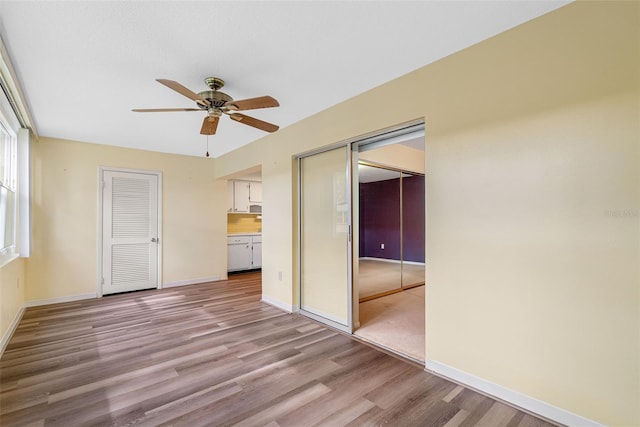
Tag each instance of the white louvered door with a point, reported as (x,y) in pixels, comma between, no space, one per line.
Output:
(130,241)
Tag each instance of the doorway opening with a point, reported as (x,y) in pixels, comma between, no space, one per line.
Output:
(244,221)
(391,268)
(361,261)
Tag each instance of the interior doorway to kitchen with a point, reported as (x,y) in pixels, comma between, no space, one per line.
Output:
(244,223)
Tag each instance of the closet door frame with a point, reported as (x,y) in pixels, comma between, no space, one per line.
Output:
(382,137)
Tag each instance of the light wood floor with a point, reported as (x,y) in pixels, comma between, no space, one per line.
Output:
(379,277)
(213,354)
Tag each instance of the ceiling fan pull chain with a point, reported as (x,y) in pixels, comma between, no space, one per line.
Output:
(207,146)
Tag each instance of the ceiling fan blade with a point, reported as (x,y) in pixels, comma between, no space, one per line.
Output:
(183,91)
(251,121)
(252,103)
(209,125)
(163,110)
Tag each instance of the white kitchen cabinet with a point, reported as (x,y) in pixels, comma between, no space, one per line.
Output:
(244,196)
(255,192)
(256,253)
(239,253)
(244,252)
(241,196)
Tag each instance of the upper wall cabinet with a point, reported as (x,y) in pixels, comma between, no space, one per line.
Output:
(244,197)
(255,192)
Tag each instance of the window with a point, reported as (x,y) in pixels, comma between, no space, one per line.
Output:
(15,148)
(7,190)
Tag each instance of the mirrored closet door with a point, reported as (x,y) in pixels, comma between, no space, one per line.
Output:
(391,230)
(413,230)
(380,271)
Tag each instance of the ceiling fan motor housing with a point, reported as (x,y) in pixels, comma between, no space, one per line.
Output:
(217,99)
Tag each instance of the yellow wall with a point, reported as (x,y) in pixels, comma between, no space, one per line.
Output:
(12,289)
(532,147)
(65,216)
(533,275)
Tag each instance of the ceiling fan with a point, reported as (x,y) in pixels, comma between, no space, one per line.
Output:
(217,103)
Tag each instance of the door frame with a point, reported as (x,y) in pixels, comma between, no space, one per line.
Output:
(381,137)
(376,139)
(99,269)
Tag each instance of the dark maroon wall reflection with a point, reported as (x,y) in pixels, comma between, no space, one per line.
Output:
(380,219)
(413,218)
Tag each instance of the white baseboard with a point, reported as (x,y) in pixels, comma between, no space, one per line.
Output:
(395,261)
(191,281)
(369,258)
(279,304)
(515,398)
(10,330)
(39,302)
(423,264)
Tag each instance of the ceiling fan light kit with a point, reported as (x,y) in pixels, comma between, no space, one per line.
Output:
(217,103)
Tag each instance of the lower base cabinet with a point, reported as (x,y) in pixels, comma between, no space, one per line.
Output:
(244,252)
(256,260)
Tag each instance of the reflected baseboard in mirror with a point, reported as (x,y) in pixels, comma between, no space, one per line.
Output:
(378,278)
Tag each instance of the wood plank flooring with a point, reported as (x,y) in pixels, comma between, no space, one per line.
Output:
(214,355)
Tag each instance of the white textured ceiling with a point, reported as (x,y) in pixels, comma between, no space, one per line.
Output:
(84,65)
